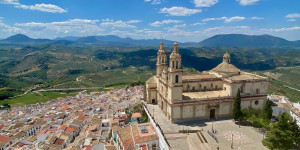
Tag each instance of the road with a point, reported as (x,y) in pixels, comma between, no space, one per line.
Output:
(291,88)
(68,89)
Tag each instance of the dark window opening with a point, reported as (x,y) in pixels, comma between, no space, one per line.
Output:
(176,79)
(172,64)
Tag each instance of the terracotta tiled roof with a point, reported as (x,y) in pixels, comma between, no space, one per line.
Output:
(136,115)
(81,118)
(63,127)
(59,141)
(69,130)
(110,147)
(225,67)
(146,138)
(42,132)
(125,136)
(4,139)
(1,126)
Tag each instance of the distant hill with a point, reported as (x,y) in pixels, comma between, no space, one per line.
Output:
(241,40)
(18,38)
(68,38)
(23,39)
(106,40)
(227,40)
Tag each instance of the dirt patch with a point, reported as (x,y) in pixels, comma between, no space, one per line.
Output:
(273,75)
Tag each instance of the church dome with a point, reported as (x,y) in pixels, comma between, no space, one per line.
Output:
(175,53)
(226,68)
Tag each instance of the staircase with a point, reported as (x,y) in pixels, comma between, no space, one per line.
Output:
(197,141)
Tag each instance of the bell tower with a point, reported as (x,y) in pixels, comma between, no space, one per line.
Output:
(175,75)
(161,62)
(226,58)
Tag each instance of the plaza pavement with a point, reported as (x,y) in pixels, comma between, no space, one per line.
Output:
(245,137)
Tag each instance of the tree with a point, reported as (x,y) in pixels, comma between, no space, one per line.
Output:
(283,134)
(237,112)
(268,110)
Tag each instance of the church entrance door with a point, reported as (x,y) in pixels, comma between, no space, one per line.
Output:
(212,114)
(153,101)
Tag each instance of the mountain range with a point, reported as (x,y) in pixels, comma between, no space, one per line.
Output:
(224,40)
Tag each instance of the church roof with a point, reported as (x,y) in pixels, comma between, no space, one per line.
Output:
(204,95)
(151,80)
(198,76)
(226,68)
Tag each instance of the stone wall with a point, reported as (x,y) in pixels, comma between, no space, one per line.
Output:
(202,86)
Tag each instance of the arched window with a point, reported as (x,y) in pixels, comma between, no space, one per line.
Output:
(176,64)
(257,91)
(172,64)
(176,79)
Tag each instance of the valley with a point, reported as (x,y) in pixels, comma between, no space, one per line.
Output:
(82,66)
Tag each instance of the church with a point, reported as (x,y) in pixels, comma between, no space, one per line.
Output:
(206,95)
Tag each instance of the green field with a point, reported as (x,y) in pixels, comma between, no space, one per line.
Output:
(284,76)
(35,97)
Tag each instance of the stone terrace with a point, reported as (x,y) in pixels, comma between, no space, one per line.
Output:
(244,137)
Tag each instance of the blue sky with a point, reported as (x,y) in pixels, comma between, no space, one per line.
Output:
(181,20)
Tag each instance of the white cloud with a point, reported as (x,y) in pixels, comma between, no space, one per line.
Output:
(198,23)
(283,29)
(236,18)
(179,11)
(40,7)
(247,2)
(7,30)
(295,15)
(226,19)
(292,20)
(204,3)
(154,2)
(256,18)
(134,21)
(159,23)
(43,7)
(116,24)
(180,26)
(72,26)
(106,19)
(14,2)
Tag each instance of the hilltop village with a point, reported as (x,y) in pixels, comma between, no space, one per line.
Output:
(99,120)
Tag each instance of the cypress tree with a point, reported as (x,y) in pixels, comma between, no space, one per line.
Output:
(268,110)
(237,112)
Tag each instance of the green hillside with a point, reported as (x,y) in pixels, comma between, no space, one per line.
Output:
(52,66)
